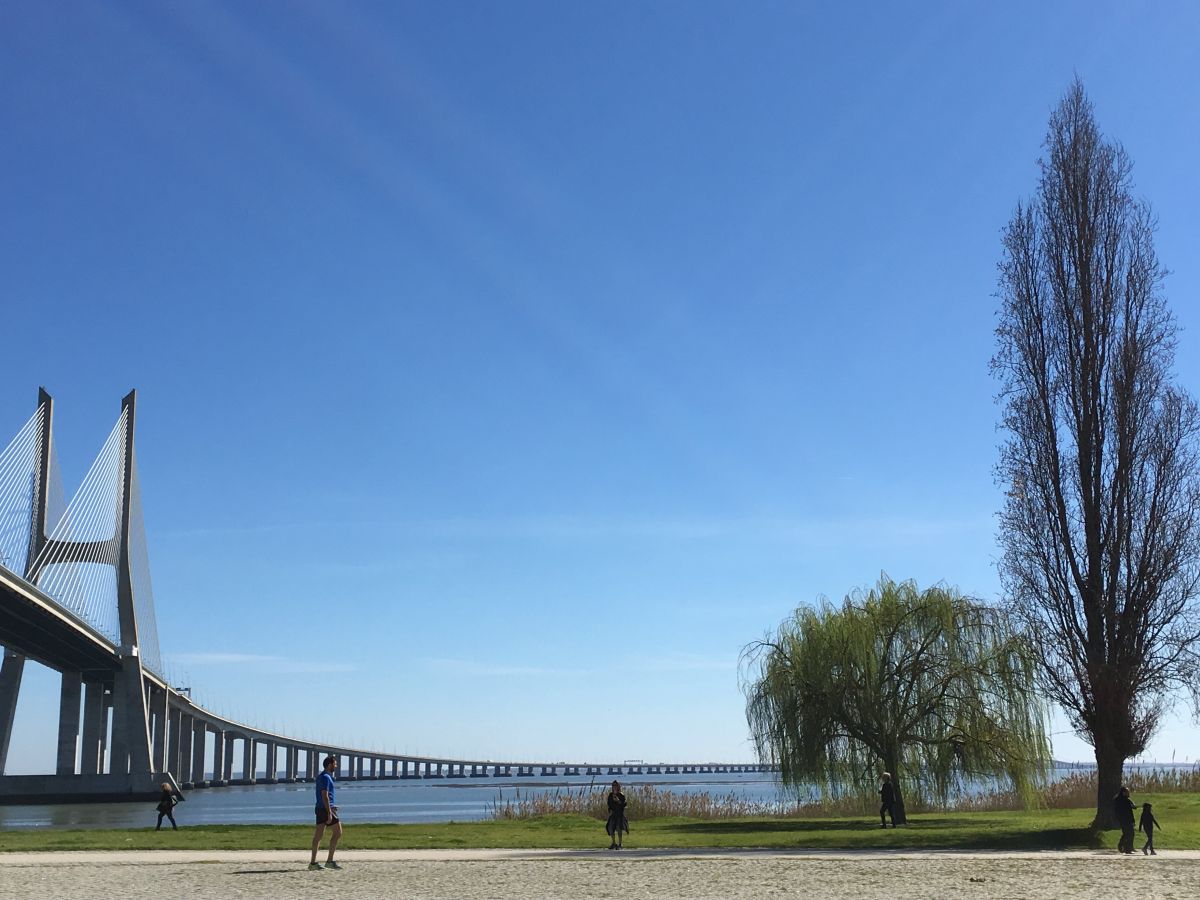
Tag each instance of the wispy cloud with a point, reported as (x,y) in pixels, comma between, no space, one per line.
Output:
(806,530)
(473,667)
(218,658)
(685,662)
(261,662)
(671,662)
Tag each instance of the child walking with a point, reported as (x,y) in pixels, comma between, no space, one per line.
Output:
(1147,824)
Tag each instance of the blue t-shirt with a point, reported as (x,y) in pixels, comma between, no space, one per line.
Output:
(324,783)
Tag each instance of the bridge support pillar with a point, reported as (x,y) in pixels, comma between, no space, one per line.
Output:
(69,703)
(185,752)
(219,779)
(159,715)
(229,739)
(175,720)
(10,687)
(271,769)
(248,760)
(199,738)
(130,751)
(289,769)
(91,749)
(310,766)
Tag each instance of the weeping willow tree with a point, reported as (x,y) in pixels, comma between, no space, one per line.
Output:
(929,685)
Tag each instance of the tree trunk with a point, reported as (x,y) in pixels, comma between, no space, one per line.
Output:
(901,816)
(1109,764)
(898,815)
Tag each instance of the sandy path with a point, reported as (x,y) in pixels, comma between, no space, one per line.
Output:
(633,875)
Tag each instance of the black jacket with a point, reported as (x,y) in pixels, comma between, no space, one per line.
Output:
(887,794)
(1123,807)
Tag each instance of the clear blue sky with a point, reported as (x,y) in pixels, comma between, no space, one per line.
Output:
(505,368)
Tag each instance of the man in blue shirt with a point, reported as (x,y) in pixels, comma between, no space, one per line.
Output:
(326,815)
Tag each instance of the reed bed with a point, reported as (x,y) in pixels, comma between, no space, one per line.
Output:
(647,801)
(1079,790)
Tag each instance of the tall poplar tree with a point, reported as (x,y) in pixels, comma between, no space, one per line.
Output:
(1100,540)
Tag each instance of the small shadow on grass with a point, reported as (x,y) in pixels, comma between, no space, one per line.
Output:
(914,835)
(1050,839)
(780,826)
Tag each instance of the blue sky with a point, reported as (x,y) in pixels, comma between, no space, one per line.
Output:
(504,369)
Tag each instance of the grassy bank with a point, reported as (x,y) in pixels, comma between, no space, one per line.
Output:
(1005,830)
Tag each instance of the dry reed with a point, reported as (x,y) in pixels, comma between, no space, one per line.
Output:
(647,801)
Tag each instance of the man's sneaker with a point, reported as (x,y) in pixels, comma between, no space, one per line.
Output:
(333,865)
(315,867)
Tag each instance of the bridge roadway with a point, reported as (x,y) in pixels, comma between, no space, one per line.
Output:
(189,741)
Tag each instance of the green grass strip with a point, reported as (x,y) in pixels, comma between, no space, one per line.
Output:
(1055,829)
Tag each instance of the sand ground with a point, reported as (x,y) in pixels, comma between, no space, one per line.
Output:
(630,875)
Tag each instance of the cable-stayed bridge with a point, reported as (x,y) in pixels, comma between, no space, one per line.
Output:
(76,596)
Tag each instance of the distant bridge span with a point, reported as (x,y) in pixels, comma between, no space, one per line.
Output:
(75,596)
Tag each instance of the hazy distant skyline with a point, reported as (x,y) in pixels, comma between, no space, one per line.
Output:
(504,369)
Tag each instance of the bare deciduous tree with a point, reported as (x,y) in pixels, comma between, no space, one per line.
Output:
(1101,550)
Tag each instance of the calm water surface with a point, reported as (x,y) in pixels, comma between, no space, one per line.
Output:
(435,800)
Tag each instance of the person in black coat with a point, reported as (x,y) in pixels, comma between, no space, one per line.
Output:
(1123,807)
(166,806)
(617,823)
(887,800)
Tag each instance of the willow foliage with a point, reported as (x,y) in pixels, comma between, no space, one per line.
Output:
(929,685)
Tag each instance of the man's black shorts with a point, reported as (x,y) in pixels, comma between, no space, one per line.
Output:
(323,817)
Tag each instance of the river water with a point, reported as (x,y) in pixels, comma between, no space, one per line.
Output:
(417,800)
(406,801)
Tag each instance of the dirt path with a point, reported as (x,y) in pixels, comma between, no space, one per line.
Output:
(631,875)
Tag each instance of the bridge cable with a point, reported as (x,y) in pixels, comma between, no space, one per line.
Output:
(19,470)
(87,593)
(77,580)
(139,573)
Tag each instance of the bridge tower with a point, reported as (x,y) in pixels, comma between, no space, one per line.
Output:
(131,750)
(132,763)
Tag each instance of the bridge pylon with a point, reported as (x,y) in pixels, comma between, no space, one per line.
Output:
(134,765)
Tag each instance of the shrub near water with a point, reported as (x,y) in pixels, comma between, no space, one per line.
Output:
(1078,790)
(650,802)
(647,801)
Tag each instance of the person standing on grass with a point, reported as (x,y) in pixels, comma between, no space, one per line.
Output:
(326,815)
(887,800)
(1147,824)
(1123,807)
(617,823)
(166,806)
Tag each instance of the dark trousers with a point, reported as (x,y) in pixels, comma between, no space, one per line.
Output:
(1125,845)
(160,818)
(890,810)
